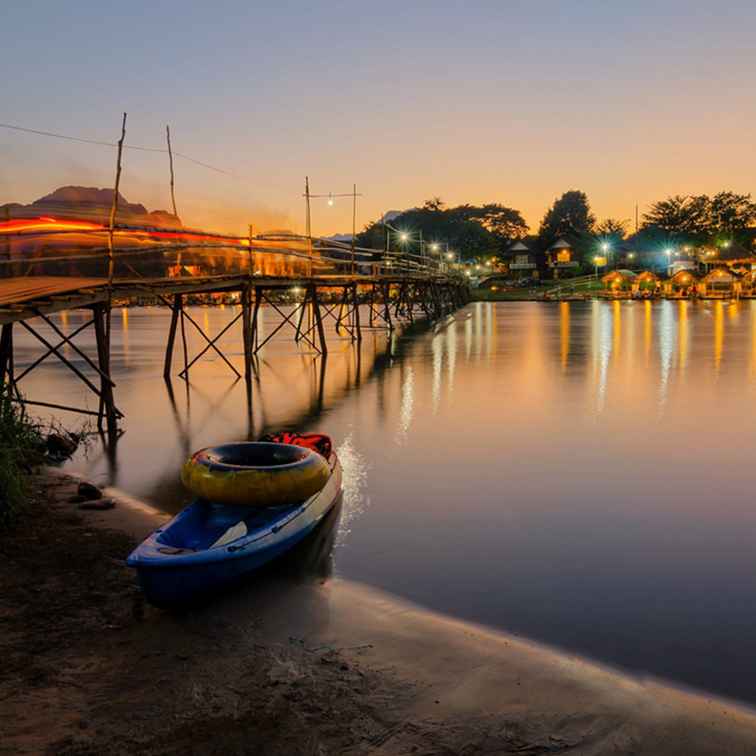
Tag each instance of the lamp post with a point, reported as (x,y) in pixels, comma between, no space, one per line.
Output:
(330,197)
(606,248)
(668,252)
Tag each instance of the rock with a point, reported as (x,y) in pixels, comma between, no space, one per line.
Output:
(89,491)
(60,447)
(98,504)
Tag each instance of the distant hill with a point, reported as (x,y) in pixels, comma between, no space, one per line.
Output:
(91,203)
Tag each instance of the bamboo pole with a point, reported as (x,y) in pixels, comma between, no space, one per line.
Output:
(114,205)
(170,163)
(354,222)
(308,223)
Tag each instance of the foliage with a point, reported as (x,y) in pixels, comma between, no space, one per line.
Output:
(470,231)
(20,441)
(570,217)
(701,219)
(612,229)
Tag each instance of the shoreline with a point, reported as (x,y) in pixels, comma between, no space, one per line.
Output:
(295,664)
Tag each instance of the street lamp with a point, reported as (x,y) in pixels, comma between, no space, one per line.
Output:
(606,248)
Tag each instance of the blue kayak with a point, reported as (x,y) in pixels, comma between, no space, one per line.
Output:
(210,545)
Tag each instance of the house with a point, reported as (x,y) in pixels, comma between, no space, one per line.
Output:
(619,283)
(681,284)
(561,258)
(720,283)
(522,262)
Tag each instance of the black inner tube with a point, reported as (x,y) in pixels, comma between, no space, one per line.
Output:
(253,454)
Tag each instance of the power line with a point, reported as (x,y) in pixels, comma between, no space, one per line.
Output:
(113,144)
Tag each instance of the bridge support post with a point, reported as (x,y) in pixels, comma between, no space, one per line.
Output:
(107,411)
(246,303)
(357,331)
(318,320)
(6,356)
(175,311)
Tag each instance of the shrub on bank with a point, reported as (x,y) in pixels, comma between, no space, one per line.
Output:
(20,442)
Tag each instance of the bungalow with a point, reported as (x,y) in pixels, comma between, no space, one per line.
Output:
(681,284)
(720,283)
(522,262)
(646,284)
(560,257)
(619,283)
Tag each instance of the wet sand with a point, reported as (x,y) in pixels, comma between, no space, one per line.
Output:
(294,664)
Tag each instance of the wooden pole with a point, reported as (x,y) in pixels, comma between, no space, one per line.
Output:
(308,222)
(318,320)
(246,297)
(354,222)
(175,308)
(170,162)
(250,258)
(356,304)
(106,386)
(6,354)
(114,205)
(180,304)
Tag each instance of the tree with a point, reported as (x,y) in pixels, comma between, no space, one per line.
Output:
(470,230)
(681,217)
(731,213)
(701,219)
(504,222)
(570,217)
(612,228)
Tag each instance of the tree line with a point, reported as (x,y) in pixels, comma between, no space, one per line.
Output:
(477,232)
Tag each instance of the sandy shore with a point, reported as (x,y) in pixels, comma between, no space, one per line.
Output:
(293,664)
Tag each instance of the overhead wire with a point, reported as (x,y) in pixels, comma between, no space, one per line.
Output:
(101,143)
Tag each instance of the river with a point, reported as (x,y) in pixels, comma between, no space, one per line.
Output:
(577,473)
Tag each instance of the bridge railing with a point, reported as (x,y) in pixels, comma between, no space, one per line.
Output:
(73,247)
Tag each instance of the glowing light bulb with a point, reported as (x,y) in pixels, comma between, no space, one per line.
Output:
(330,200)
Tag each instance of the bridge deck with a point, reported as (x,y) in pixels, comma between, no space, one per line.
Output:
(23,298)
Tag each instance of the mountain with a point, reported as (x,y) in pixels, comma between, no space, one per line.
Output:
(90,203)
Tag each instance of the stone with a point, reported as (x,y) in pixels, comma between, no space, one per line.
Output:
(98,504)
(89,491)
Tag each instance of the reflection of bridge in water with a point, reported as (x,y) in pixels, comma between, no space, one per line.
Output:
(52,266)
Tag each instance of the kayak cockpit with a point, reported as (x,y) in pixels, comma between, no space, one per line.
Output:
(206,525)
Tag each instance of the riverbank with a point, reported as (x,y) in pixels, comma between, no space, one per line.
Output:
(292,664)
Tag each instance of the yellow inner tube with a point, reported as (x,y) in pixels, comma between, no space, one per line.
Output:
(255,474)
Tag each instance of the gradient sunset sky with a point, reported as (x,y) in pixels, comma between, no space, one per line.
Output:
(511,102)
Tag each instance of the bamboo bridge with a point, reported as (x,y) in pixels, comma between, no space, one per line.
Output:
(49,265)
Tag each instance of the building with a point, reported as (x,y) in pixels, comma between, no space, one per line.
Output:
(521,261)
(560,258)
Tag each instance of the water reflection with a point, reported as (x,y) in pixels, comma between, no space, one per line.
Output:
(576,472)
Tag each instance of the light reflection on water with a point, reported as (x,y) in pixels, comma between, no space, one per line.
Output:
(580,473)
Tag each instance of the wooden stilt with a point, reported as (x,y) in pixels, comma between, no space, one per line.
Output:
(175,310)
(246,301)
(106,386)
(6,355)
(318,320)
(357,331)
(255,315)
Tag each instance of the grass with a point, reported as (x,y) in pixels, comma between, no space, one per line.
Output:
(20,443)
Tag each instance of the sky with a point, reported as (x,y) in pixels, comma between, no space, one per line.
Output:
(511,102)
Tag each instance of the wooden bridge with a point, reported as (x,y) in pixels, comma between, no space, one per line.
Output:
(46,268)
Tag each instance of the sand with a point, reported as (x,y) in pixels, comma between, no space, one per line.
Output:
(294,664)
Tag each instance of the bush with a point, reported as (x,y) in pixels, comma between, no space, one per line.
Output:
(20,442)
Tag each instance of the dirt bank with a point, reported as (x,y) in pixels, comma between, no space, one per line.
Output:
(296,663)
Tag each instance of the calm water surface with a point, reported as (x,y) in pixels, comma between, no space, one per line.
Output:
(578,473)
